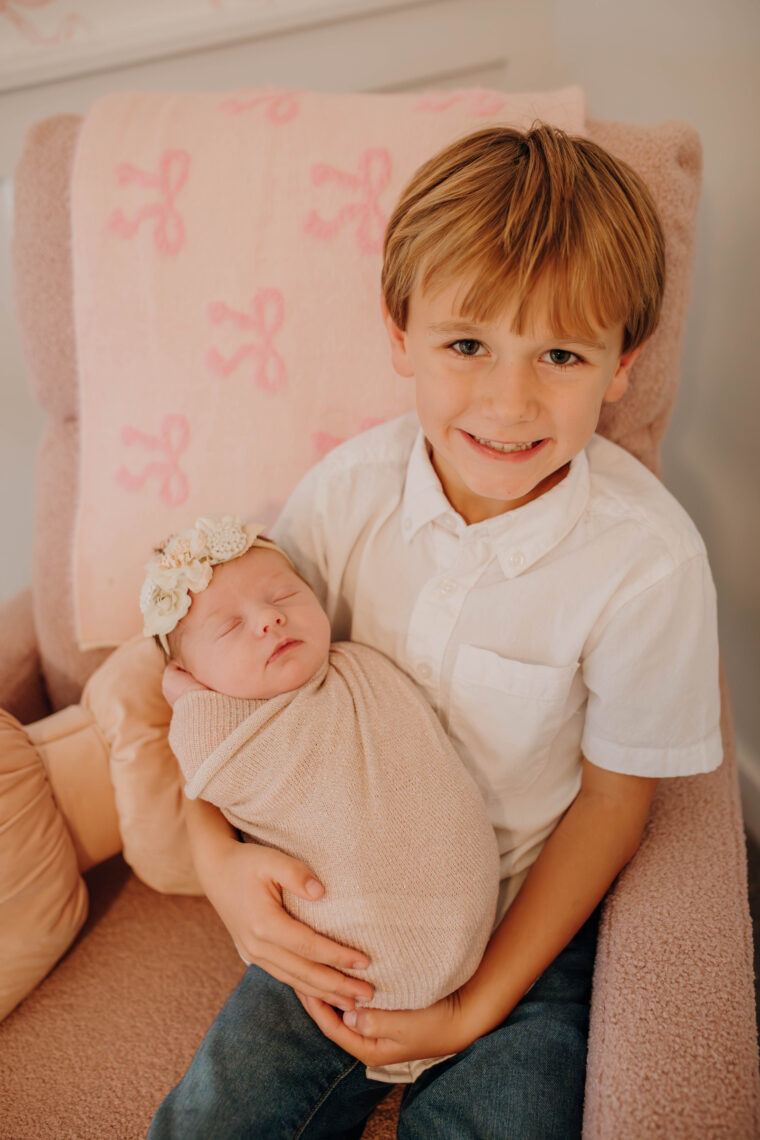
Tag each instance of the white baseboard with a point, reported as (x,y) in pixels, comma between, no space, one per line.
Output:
(748,764)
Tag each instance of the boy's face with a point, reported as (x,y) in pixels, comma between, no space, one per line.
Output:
(504,413)
(256,631)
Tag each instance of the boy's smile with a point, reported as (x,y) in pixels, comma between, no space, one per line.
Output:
(504,413)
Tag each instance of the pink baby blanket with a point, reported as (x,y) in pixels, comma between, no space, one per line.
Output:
(227,255)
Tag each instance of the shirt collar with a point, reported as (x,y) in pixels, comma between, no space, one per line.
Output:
(424,500)
(518,538)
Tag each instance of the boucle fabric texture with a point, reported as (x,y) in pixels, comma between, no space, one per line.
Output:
(353,774)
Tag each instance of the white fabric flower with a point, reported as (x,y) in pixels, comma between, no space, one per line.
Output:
(167,577)
(162,609)
(198,575)
(185,566)
(176,553)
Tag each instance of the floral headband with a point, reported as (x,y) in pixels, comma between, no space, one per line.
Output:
(184,566)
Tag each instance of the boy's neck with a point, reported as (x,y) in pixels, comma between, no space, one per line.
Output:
(474,509)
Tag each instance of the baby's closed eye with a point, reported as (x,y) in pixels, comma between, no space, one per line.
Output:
(228,627)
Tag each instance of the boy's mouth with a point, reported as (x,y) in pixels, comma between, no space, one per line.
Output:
(504,448)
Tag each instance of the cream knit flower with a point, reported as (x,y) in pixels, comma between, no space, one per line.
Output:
(225,538)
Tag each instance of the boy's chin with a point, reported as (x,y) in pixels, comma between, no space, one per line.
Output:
(480,502)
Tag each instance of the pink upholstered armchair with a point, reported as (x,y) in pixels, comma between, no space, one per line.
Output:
(94,1047)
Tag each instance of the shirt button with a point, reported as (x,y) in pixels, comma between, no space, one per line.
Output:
(447,587)
(516,560)
(424,672)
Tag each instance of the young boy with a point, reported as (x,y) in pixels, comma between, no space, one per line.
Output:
(554,602)
(323,751)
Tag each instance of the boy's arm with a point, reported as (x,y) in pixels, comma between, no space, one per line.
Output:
(598,834)
(596,837)
(244,882)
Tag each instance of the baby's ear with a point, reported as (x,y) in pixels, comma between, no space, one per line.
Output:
(397,340)
(618,385)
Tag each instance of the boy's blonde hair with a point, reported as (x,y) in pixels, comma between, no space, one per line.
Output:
(507,212)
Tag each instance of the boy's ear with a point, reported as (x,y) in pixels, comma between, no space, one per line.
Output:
(397,339)
(618,385)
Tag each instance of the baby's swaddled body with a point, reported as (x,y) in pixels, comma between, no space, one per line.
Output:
(353,774)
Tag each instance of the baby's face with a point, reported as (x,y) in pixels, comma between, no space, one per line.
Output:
(256,631)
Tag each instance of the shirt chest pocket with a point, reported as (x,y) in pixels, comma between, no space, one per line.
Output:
(504,716)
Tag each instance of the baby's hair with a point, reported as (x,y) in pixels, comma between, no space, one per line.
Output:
(172,640)
(506,212)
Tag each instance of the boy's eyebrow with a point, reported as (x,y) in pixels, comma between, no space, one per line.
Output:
(448,327)
(600,344)
(451,326)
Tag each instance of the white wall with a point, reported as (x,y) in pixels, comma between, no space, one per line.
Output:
(656,59)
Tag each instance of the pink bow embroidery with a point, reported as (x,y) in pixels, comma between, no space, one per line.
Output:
(71,21)
(171,441)
(372,178)
(478,103)
(169,230)
(323,441)
(279,106)
(266,315)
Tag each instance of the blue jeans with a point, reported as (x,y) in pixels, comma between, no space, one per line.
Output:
(264,1071)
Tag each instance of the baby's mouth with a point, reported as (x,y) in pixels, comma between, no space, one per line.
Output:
(288,643)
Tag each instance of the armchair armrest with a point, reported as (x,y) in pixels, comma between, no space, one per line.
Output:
(22,689)
(673,1042)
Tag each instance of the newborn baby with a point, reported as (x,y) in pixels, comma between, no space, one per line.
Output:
(328,753)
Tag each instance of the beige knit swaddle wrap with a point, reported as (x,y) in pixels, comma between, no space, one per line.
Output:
(353,774)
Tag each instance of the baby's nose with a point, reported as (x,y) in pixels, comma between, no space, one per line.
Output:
(272,620)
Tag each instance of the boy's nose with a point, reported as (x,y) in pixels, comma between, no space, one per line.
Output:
(511,393)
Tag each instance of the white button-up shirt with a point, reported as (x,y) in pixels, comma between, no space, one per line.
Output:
(581,623)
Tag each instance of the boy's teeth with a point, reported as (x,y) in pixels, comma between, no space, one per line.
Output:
(504,446)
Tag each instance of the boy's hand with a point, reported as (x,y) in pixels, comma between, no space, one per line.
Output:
(384,1037)
(244,882)
(177,681)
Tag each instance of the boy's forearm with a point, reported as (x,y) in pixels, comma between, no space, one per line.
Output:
(210,835)
(580,859)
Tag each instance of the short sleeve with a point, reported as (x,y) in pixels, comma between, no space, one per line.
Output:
(652,679)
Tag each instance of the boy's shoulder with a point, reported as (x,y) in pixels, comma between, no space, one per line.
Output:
(342,493)
(388,443)
(622,491)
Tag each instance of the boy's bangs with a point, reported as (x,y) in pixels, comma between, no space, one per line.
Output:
(552,228)
(571,300)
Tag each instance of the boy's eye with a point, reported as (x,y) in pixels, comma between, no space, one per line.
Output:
(562,357)
(466,347)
